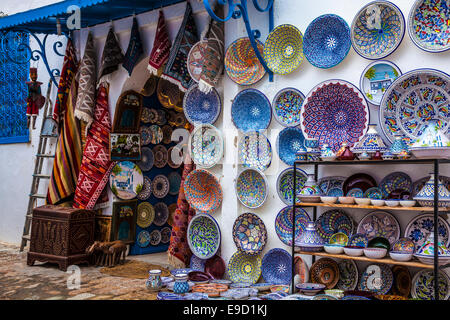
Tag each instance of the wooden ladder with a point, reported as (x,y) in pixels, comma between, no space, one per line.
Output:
(48,131)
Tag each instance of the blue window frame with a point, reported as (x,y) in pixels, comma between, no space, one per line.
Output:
(13,89)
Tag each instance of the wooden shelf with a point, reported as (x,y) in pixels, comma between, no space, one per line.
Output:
(412,263)
(356,206)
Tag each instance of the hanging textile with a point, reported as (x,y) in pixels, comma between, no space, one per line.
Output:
(95,166)
(161,47)
(135,49)
(112,57)
(179,253)
(176,70)
(66,165)
(87,79)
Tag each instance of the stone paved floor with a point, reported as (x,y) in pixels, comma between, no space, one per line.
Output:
(46,282)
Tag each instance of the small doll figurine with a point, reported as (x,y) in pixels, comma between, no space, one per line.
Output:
(35,100)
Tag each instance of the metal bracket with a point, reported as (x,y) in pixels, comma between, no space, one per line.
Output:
(35,55)
(238,10)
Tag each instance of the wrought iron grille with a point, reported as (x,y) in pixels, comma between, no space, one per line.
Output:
(13,89)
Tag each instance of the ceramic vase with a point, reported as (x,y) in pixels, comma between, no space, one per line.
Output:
(371,142)
(432,143)
(310,239)
(154,282)
(425,197)
(326,153)
(181,283)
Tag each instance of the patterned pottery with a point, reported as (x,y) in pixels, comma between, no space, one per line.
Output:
(249,233)
(325,271)
(285,184)
(154,283)
(425,253)
(377,30)
(175,183)
(371,142)
(289,142)
(405,245)
(422,225)
(327,154)
(161,214)
(197,264)
(155,237)
(181,284)
(310,240)
(244,268)
(380,224)
(286,106)
(327,183)
(433,143)
(310,289)
(126,180)
(373,193)
(203,236)
(143,238)
(160,186)
(348,275)
(358,240)
(377,278)
(327,41)
(206,146)
(147,159)
(146,191)
(251,110)
(161,156)
(284,225)
(251,188)
(414,99)
(339,238)
(277,266)
(422,288)
(428,25)
(255,151)
(395,181)
(333,221)
(310,190)
(201,108)
(145,215)
(203,191)
(355,193)
(283,49)
(425,197)
(335,111)
(241,63)
(398,146)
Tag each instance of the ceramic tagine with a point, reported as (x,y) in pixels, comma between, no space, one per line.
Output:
(432,143)
(310,191)
(426,251)
(310,240)
(370,144)
(344,153)
(399,146)
(326,153)
(425,197)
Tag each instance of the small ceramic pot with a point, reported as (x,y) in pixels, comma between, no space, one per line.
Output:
(154,282)
(362,201)
(181,283)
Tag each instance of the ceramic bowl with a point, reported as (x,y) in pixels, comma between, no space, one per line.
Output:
(310,289)
(353,251)
(379,242)
(279,287)
(392,203)
(328,158)
(362,201)
(376,202)
(375,253)
(327,199)
(309,199)
(408,203)
(338,293)
(429,259)
(400,256)
(333,248)
(347,200)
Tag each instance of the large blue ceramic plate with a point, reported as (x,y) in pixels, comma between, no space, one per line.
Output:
(251,110)
(244,268)
(201,108)
(251,188)
(334,221)
(377,30)
(277,266)
(287,105)
(285,184)
(289,142)
(283,224)
(327,41)
(255,151)
(249,233)
(203,236)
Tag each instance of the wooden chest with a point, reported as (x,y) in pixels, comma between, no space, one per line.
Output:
(61,235)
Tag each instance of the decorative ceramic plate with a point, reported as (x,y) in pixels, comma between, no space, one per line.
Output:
(160,186)
(242,64)
(406,245)
(324,297)
(196,60)
(289,142)
(160,155)
(412,101)
(146,135)
(301,270)
(244,268)
(355,192)
(145,215)
(251,188)
(358,240)
(126,180)
(335,111)
(377,278)
(249,233)
(170,161)
(422,225)
(373,193)
(395,181)
(333,221)
(216,267)
(203,236)
(255,151)
(376,78)
(156,134)
(277,266)
(327,41)
(335,192)
(283,224)
(155,237)
(147,116)
(286,106)
(241,285)
(206,146)
(162,120)
(175,183)
(251,110)
(201,108)
(197,264)
(161,214)
(174,272)
(203,191)
(166,232)
(147,159)
(169,296)
(428,25)
(359,180)
(402,281)
(377,30)
(348,275)
(146,191)
(283,49)
(167,133)
(285,184)
(380,224)
(328,183)
(325,271)
(143,238)
(423,285)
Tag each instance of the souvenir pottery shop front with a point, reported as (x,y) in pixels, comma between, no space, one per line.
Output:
(343,104)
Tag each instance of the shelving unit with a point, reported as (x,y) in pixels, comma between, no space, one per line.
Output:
(435,209)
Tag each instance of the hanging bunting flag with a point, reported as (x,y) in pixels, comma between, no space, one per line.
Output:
(135,49)
(161,47)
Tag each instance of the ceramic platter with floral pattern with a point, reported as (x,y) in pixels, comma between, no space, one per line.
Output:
(348,275)
(276,266)
(377,278)
(206,146)
(244,268)
(422,225)
(255,151)
(328,183)
(380,224)
(335,111)
(283,224)
(249,233)
(286,106)
(412,101)
(285,184)
(203,236)
(201,108)
(423,285)
(251,188)
(334,221)
(126,180)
